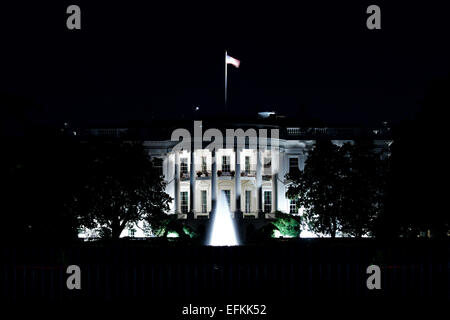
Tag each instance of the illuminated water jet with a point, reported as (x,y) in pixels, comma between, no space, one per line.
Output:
(223,231)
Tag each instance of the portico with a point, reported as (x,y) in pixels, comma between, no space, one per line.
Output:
(244,175)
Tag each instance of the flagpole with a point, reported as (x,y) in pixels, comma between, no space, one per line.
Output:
(226,81)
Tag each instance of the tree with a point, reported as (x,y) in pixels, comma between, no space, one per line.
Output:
(121,187)
(319,188)
(364,185)
(342,188)
(170,224)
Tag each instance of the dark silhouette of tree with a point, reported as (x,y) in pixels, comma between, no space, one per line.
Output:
(319,188)
(365,188)
(416,199)
(162,226)
(342,188)
(121,187)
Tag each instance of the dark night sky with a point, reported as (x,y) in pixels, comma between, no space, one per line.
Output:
(131,61)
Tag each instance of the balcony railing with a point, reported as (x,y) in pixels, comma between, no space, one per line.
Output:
(184,175)
(248,173)
(207,174)
(203,174)
(221,173)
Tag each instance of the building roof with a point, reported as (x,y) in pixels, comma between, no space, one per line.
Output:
(289,128)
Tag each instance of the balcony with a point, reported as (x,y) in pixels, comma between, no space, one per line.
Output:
(225,175)
(184,176)
(248,173)
(203,175)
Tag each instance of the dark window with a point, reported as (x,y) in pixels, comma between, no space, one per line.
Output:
(184,202)
(204,166)
(293,206)
(248,197)
(267,201)
(184,166)
(293,164)
(204,201)
(158,164)
(225,163)
(247,164)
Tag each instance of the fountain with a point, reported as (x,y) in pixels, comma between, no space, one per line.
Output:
(223,230)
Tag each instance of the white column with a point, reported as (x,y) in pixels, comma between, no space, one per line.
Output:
(301,160)
(192,182)
(213,181)
(177,182)
(258,182)
(237,177)
(275,161)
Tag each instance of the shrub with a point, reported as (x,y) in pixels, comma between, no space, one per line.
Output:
(288,225)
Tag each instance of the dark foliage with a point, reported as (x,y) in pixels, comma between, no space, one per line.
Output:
(55,184)
(320,188)
(120,188)
(342,188)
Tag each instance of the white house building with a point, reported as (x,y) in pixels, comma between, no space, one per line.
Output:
(253,179)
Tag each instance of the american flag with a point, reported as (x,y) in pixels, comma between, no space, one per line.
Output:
(233,61)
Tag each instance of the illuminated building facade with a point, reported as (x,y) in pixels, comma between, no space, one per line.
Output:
(253,179)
